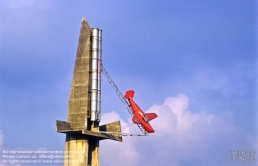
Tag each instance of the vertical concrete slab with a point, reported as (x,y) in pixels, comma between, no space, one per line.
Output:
(76,150)
(77,146)
(79,94)
(93,159)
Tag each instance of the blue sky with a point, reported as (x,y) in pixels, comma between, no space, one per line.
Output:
(194,63)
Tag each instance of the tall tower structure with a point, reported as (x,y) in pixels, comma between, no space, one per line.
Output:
(84,113)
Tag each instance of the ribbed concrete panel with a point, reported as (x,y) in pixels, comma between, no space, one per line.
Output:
(94,152)
(77,145)
(76,150)
(79,96)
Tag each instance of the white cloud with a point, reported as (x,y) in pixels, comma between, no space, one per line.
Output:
(117,153)
(181,138)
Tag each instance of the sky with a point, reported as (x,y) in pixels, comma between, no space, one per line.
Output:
(194,63)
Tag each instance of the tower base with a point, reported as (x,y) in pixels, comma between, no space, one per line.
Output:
(82,146)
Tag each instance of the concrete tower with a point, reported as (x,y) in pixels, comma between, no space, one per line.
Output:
(82,126)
